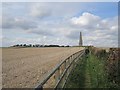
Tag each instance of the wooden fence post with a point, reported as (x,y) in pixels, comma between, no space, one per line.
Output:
(57,75)
(64,78)
(64,65)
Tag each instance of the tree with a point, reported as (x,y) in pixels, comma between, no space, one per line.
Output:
(24,45)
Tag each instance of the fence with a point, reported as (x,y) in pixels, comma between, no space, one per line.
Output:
(58,77)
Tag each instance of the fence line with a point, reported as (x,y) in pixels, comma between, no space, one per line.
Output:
(61,72)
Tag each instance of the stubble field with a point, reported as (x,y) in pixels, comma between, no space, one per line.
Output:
(25,67)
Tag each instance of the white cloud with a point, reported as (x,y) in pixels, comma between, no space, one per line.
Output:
(0,21)
(56,23)
(100,32)
(95,31)
(85,19)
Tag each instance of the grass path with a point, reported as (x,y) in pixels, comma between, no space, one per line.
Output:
(87,76)
(97,72)
(89,73)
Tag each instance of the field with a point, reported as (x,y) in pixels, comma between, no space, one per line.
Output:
(25,67)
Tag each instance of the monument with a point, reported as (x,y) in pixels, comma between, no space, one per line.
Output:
(80,40)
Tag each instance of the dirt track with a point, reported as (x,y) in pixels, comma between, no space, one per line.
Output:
(25,67)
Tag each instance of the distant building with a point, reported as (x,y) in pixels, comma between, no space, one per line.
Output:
(80,40)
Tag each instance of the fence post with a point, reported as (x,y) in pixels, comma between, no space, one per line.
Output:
(71,58)
(57,75)
(64,77)
(64,65)
(68,63)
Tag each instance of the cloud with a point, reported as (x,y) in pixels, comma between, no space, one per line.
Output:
(6,41)
(0,21)
(73,35)
(57,23)
(40,31)
(17,22)
(85,19)
(39,10)
(96,30)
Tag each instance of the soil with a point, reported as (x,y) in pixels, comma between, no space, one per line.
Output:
(25,67)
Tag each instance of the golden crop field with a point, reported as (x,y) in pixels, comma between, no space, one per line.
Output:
(25,67)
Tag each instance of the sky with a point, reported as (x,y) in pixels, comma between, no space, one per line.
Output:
(60,0)
(59,23)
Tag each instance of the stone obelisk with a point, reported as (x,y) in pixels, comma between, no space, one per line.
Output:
(80,41)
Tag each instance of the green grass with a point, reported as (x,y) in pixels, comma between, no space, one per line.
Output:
(89,73)
(96,68)
(77,76)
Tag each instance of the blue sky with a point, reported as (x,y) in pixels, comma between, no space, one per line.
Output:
(60,23)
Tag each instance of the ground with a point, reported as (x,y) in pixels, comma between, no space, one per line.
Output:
(89,73)
(25,67)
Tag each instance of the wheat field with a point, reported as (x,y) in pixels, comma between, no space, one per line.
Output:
(25,67)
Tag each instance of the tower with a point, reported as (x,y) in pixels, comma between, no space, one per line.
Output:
(80,40)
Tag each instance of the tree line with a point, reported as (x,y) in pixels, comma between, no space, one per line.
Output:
(38,45)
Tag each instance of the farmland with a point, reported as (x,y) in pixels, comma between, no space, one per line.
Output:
(25,67)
